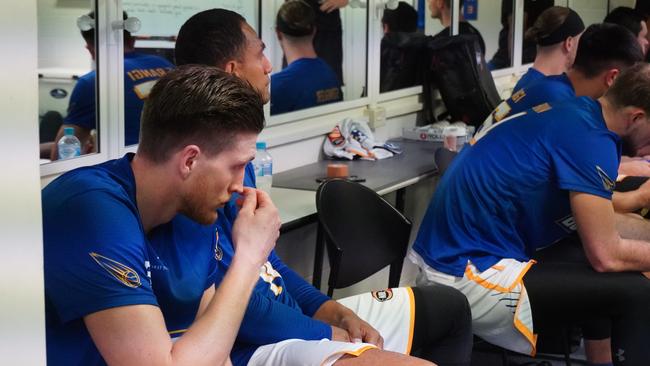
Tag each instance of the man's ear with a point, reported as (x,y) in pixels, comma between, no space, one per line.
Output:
(230,66)
(569,44)
(638,115)
(610,76)
(187,160)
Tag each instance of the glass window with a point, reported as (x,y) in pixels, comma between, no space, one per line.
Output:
(149,47)
(67,87)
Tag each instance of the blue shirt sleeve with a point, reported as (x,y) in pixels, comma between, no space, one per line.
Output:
(585,162)
(81,110)
(95,256)
(307,296)
(268,321)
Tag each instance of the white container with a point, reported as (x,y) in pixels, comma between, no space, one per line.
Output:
(454,137)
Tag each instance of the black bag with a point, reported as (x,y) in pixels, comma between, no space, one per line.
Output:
(456,67)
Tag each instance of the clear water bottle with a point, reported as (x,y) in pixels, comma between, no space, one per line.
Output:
(263,164)
(69,145)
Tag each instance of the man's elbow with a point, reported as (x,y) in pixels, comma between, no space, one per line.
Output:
(604,262)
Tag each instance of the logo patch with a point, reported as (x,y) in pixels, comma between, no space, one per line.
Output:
(122,273)
(58,93)
(218,252)
(516,97)
(608,183)
(542,107)
(382,295)
(568,223)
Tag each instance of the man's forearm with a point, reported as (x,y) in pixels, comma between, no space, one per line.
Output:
(631,226)
(216,329)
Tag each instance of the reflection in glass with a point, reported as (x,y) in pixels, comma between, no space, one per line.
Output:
(308,80)
(66,79)
(151,50)
(400,51)
(339,42)
(442,10)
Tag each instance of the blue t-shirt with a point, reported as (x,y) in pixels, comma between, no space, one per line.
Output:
(141,71)
(282,303)
(97,256)
(508,194)
(530,77)
(549,89)
(306,82)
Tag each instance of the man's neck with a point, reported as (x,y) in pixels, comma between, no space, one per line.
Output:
(298,50)
(550,63)
(154,198)
(611,116)
(583,86)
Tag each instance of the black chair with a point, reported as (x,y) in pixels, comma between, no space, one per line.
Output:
(362,231)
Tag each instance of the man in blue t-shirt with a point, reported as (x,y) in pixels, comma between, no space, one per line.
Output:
(526,183)
(603,52)
(140,73)
(130,245)
(307,81)
(288,321)
(556,33)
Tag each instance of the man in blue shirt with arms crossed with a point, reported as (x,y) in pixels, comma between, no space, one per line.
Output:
(526,183)
(130,244)
(288,321)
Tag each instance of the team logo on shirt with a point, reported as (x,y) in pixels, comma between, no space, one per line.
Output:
(608,183)
(218,252)
(383,295)
(119,271)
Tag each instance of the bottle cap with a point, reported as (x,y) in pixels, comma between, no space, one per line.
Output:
(68,131)
(260,145)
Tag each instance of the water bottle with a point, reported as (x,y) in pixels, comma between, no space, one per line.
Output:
(69,145)
(263,164)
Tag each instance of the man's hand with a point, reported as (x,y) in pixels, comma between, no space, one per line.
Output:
(345,320)
(256,228)
(329,6)
(340,335)
(360,331)
(634,167)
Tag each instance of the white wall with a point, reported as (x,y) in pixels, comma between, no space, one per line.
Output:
(22,333)
(60,44)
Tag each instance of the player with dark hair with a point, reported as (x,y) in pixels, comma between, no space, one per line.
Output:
(307,81)
(287,320)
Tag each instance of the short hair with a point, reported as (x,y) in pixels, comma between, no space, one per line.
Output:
(627,18)
(296,18)
(606,46)
(631,88)
(89,35)
(402,19)
(212,37)
(200,105)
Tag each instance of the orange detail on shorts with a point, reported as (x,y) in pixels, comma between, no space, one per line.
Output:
(494,286)
(412,320)
(528,333)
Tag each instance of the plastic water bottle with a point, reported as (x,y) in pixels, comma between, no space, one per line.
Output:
(263,164)
(69,145)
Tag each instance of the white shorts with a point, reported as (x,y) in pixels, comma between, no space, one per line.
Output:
(391,312)
(500,307)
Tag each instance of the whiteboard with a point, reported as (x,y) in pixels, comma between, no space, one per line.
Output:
(164,17)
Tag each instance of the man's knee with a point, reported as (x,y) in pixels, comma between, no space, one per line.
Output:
(380,357)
